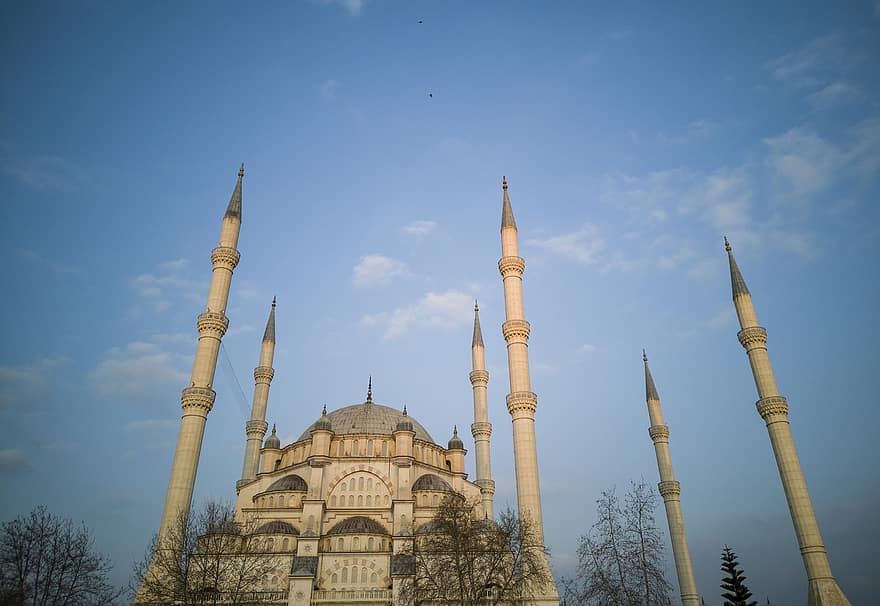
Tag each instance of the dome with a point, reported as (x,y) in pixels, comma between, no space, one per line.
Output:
(291,482)
(323,423)
(358,525)
(404,424)
(276,527)
(431,482)
(455,442)
(366,418)
(273,441)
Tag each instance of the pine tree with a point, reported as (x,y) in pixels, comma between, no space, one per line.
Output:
(735,592)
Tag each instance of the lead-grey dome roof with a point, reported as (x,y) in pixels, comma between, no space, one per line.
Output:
(290,482)
(367,418)
(277,527)
(358,525)
(431,482)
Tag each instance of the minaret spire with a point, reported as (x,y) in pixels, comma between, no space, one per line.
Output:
(481,429)
(670,490)
(256,427)
(198,399)
(773,408)
(370,390)
(521,401)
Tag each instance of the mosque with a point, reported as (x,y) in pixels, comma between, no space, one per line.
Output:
(339,507)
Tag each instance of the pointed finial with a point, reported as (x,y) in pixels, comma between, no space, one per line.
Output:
(476,305)
(644,356)
(269,333)
(404,410)
(274,300)
(455,431)
(507,219)
(737,283)
(234,207)
(273,429)
(370,389)
(324,411)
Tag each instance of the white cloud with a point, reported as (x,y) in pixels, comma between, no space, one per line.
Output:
(584,245)
(328,89)
(444,310)
(160,289)
(140,370)
(377,269)
(174,265)
(420,228)
(808,66)
(44,173)
(353,7)
(586,348)
(806,161)
(835,94)
(54,266)
(24,384)
(12,460)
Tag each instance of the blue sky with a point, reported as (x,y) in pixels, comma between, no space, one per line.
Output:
(633,139)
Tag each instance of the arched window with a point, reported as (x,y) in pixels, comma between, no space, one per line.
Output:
(342,486)
(285,544)
(277,464)
(355,543)
(354,574)
(360,483)
(281,501)
(340,544)
(370,544)
(334,579)
(369,483)
(364,576)
(387,500)
(384,448)
(370,448)
(360,500)
(345,575)
(270,544)
(271,501)
(369,500)
(373,578)
(351,500)
(274,582)
(436,500)
(355,451)
(340,452)
(333,501)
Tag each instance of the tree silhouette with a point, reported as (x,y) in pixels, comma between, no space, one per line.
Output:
(735,592)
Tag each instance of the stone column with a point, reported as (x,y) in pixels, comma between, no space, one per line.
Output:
(256,427)
(670,490)
(773,408)
(481,429)
(198,399)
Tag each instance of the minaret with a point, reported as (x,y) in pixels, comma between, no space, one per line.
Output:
(256,428)
(481,429)
(670,490)
(521,401)
(197,399)
(773,408)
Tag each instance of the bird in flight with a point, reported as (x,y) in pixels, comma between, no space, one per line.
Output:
(420,21)
(430,95)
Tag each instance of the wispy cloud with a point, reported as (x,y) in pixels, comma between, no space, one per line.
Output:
(445,310)
(352,7)
(159,289)
(804,160)
(55,267)
(586,348)
(376,269)
(420,228)
(583,245)
(140,370)
(25,384)
(44,173)
(13,461)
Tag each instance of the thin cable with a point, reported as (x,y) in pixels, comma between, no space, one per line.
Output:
(230,372)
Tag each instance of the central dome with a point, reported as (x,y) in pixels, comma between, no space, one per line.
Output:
(367,418)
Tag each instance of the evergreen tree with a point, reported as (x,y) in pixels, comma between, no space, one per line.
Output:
(735,592)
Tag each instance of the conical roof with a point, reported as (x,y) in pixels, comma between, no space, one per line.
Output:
(234,208)
(507,219)
(478,334)
(650,388)
(269,333)
(737,283)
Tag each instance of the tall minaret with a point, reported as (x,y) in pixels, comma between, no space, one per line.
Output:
(481,429)
(773,408)
(670,490)
(256,428)
(521,401)
(198,398)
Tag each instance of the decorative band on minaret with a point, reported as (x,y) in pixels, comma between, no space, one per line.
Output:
(521,401)
(481,429)
(670,490)
(198,399)
(256,427)
(773,408)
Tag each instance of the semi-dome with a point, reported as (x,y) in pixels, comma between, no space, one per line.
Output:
(358,525)
(289,482)
(277,527)
(366,418)
(431,482)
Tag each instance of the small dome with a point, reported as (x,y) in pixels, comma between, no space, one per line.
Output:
(277,527)
(404,424)
(291,482)
(358,525)
(323,424)
(273,441)
(455,442)
(431,482)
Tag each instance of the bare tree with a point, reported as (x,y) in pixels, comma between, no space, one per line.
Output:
(205,558)
(46,560)
(459,558)
(620,561)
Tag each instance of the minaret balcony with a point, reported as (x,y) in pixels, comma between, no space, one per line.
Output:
(772,408)
(198,397)
(522,404)
(659,433)
(225,257)
(212,324)
(481,430)
(516,331)
(669,488)
(753,337)
(264,374)
(479,378)
(511,266)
